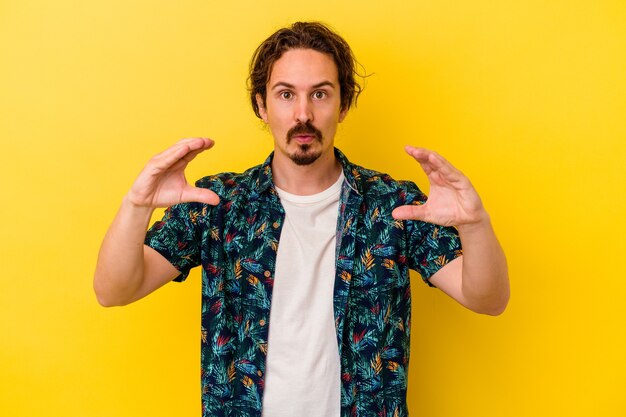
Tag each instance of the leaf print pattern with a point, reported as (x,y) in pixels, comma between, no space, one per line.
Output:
(236,243)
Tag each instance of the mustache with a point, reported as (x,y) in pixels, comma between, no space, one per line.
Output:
(304,129)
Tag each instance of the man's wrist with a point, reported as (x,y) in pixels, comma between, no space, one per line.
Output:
(136,210)
(482,224)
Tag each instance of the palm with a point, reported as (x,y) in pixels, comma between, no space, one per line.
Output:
(162,182)
(165,188)
(453,201)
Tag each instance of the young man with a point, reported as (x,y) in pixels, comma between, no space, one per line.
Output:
(305,258)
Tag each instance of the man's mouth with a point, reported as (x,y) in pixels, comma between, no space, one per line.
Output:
(304,134)
(304,138)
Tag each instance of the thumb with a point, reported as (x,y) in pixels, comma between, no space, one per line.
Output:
(199,195)
(409,212)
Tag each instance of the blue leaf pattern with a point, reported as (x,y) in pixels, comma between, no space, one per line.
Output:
(236,244)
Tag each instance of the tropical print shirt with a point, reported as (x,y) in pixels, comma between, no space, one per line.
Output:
(236,243)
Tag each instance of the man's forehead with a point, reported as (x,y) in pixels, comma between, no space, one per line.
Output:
(304,67)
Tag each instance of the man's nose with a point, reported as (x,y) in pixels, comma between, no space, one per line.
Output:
(303,110)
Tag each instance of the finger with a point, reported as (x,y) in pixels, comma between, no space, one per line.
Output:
(421,156)
(432,161)
(445,168)
(182,162)
(410,212)
(193,139)
(200,143)
(417,152)
(189,143)
(199,195)
(175,146)
(172,155)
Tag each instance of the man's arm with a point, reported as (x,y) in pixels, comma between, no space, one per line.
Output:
(127,270)
(479,278)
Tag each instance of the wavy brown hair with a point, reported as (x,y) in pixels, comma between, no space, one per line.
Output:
(304,35)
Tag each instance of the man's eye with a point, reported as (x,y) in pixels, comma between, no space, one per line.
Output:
(319,94)
(286,95)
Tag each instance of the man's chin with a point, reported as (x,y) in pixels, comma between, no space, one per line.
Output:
(305,156)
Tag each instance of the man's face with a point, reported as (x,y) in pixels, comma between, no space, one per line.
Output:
(302,107)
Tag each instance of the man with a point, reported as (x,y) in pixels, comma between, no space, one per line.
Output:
(305,258)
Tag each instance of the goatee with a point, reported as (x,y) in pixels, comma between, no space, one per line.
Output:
(304,156)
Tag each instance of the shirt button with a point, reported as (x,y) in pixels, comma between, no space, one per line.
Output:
(276,225)
(267,274)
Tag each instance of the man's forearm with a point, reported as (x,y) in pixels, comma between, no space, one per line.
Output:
(485,282)
(119,270)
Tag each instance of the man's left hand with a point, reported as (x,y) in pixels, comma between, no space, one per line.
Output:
(452,199)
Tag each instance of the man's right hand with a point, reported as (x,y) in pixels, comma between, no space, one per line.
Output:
(128,270)
(162,182)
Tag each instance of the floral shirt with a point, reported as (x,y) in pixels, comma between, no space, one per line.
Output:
(236,243)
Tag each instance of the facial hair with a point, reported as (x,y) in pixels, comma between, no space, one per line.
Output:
(304,156)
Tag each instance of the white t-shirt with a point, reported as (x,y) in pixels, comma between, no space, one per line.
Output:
(303,370)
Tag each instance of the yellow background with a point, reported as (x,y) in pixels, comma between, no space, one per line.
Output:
(528,98)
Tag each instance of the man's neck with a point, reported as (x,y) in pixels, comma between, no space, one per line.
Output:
(305,179)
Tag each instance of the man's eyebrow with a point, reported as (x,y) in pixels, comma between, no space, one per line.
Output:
(291,86)
(324,84)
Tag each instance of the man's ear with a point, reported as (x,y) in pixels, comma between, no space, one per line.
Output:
(261,105)
(342,115)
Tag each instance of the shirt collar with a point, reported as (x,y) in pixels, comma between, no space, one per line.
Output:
(265,181)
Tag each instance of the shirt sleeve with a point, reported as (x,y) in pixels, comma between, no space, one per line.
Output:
(430,246)
(177,237)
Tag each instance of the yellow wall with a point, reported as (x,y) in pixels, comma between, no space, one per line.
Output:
(526,97)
